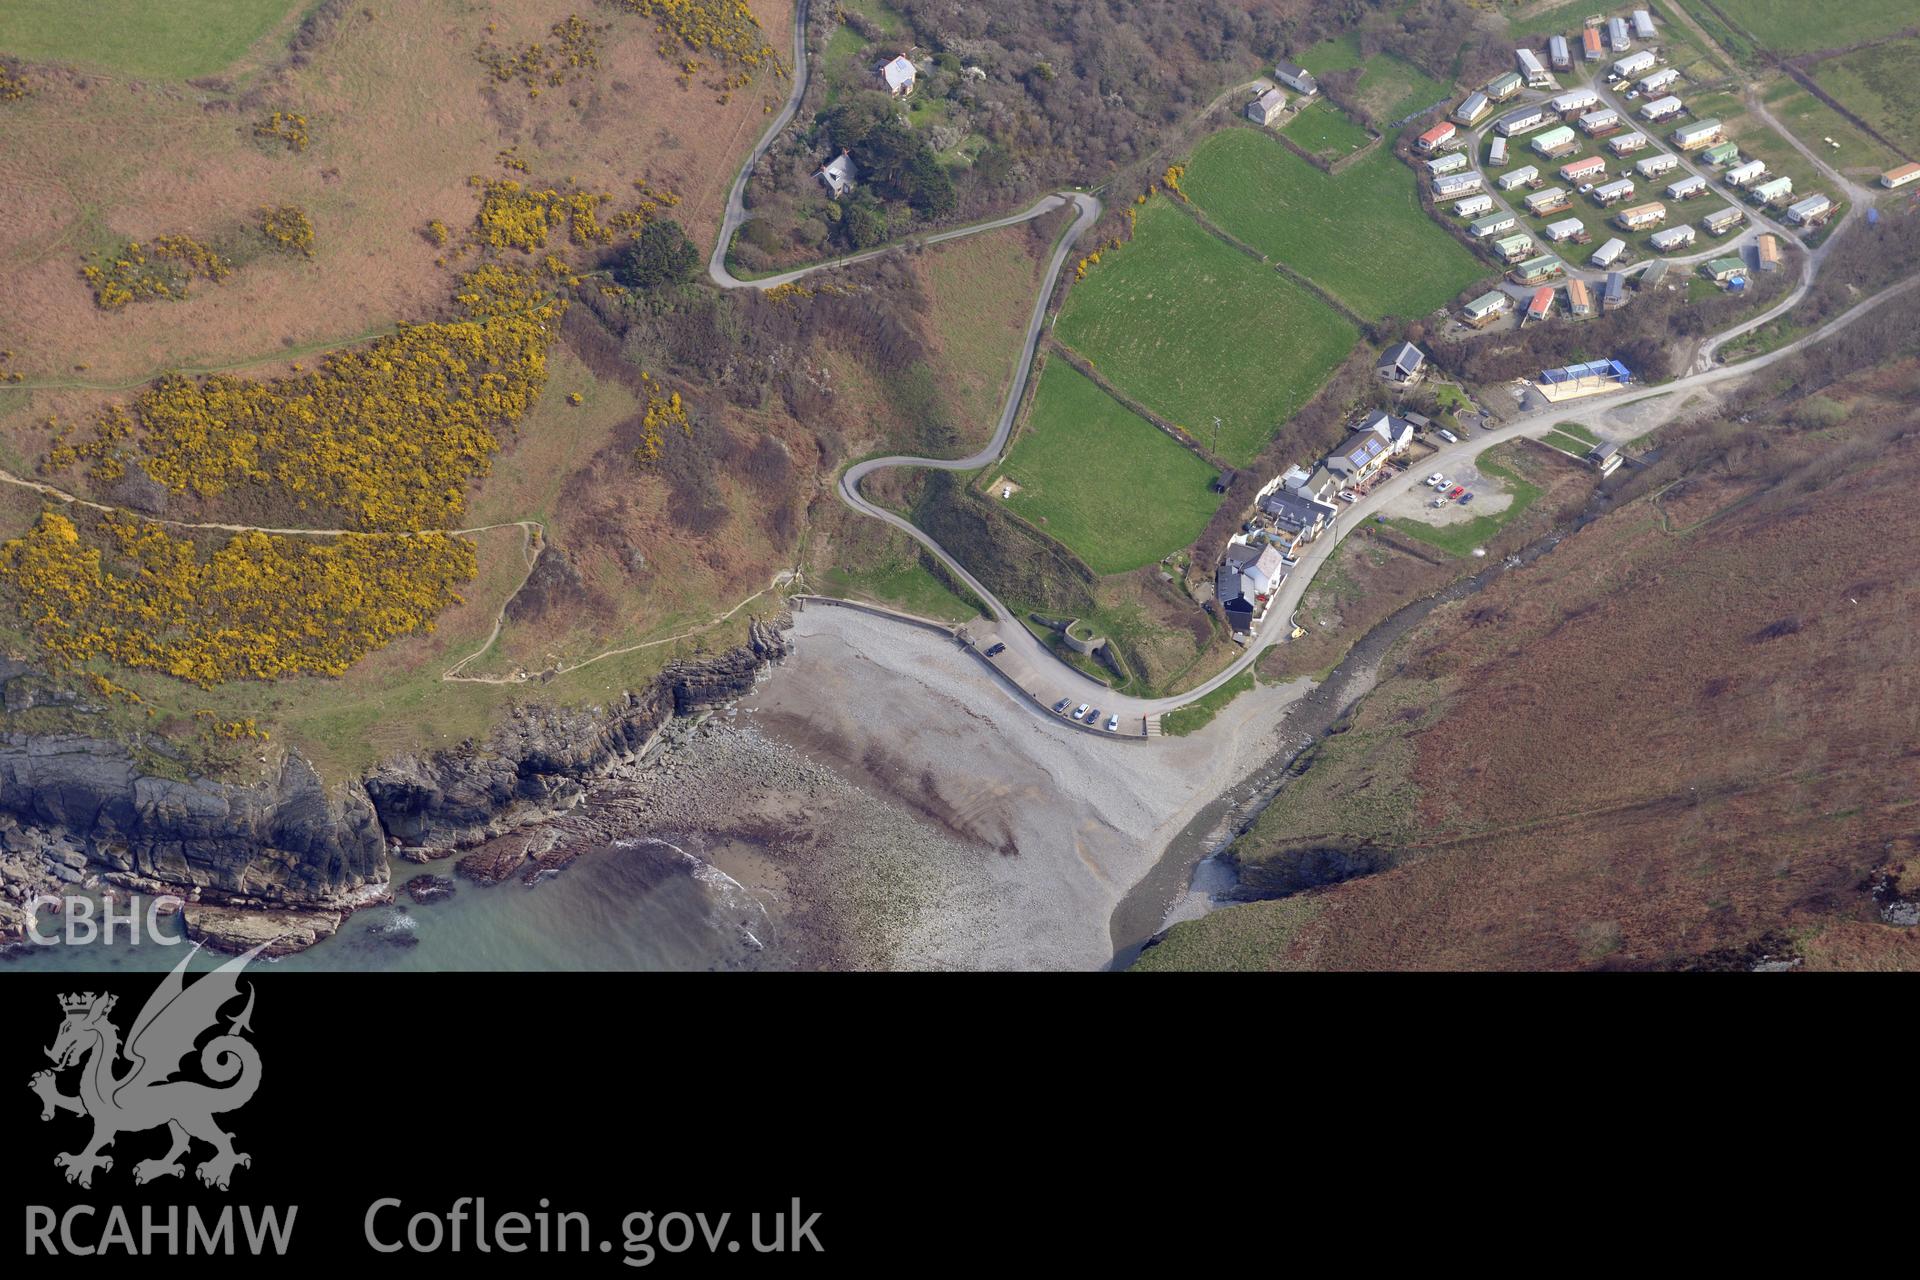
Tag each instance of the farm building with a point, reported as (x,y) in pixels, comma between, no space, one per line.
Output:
(1497,151)
(1595,123)
(1616,294)
(1486,308)
(1701,133)
(1472,109)
(1609,253)
(1642,216)
(1721,270)
(1900,177)
(1661,108)
(1438,136)
(1579,301)
(1659,80)
(1742,174)
(1617,36)
(1565,229)
(1769,247)
(1627,142)
(1535,270)
(1582,379)
(1402,363)
(1267,108)
(1555,142)
(1688,187)
(1634,63)
(839,174)
(1583,169)
(1519,177)
(1654,166)
(1643,24)
(1452,162)
(1514,247)
(898,75)
(1542,305)
(1653,276)
(1721,153)
(1296,78)
(1575,100)
(1473,206)
(1456,184)
(1612,192)
(1503,86)
(1672,238)
(1525,120)
(1530,67)
(1591,47)
(1811,211)
(1771,190)
(1724,221)
(1558,53)
(1551,200)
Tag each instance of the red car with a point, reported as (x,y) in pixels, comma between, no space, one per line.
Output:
(1453,494)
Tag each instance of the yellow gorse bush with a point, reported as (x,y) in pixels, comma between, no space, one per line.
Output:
(575,50)
(13,85)
(725,29)
(664,412)
(162,268)
(260,606)
(287,227)
(289,127)
(515,216)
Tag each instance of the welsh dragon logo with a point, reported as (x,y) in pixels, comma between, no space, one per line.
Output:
(147,1095)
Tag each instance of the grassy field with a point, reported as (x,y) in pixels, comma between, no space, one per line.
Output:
(1324,130)
(1252,938)
(1107,483)
(1388,87)
(1187,325)
(1565,444)
(1879,85)
(176,40)
(1813,122)
(982,289)
(1797,26)
(905,584)
(1362,236)
(1198,715)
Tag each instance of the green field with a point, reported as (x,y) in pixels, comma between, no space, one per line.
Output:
(1325,131)
(1878,85)
(905,584)
(175,40)
(1107,483)
(1802,26)
(1194,329)
(1388,87)
(1362,236)
(1813,122)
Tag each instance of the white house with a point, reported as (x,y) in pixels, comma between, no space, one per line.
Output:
(898,75)
(1296,78)
(838,174)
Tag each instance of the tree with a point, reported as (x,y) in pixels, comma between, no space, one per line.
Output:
(660,255)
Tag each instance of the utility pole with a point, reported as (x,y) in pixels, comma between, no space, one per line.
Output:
(1216,435)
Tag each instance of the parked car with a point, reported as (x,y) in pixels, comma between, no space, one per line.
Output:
(1081,712)
(996,650)
(1348,495)
(1440,501)
(1093,717)
(1060,707)
(1456,491)
(1113,724)
(1435,478)
(1465,498)
(1448,436)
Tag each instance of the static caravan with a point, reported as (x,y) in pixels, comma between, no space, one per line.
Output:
(1661,108)
(1513,248)
(1752,171)
(1672,238)
(1519,177)
(1655,274)
(1438,136)
(1642,24)
(1493,224)
(1452,162)
(1900,177)
(1642,216)
(1616,295)
(1556,142)
(1634,63)
(1497,151)
(1579,301)
(1627,143)
(1486,308)
(1721,270)
(1530,66)
(1503,86)
(1559,54)
(1534,270)
(1595,123)
(1591,47)
(1721,153)
(1612,192)
(1456,184)
(1654,166)
(1575,100)
(1723,221)
(1542,305)
(1470,111)
(1525,120)
(1565,229)
(1473,206)
(1659,80)
(1583,170)
(1700,133)
(1688,187)
(1552,200)
(1617,36)
(1812,210)
(1769,247)
(1609,253)
(1771,190)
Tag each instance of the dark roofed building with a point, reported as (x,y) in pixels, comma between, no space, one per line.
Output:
(1298,512)
(1296,78)
(1402,363)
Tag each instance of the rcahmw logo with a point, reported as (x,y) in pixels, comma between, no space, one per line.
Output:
(155,1090)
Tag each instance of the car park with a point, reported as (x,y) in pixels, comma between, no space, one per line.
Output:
(1113,724)
(1080,713)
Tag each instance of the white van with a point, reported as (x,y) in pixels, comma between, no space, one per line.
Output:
(1448,436)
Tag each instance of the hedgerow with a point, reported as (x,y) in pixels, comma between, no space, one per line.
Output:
(260,606)
(164,267)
